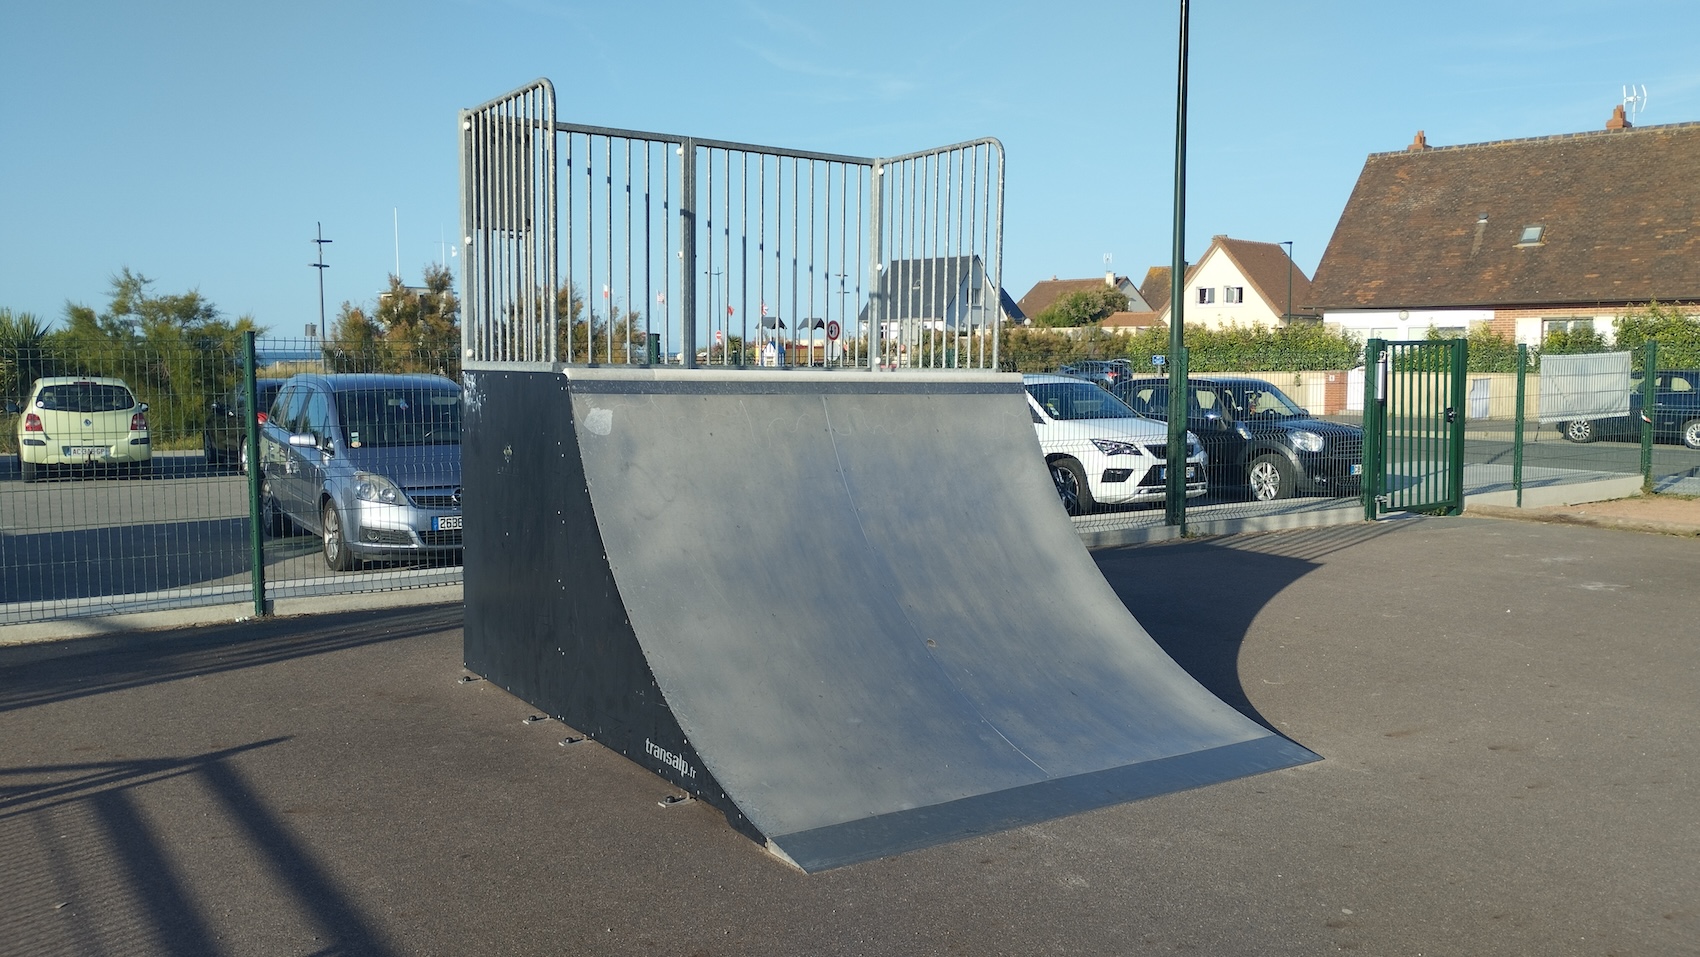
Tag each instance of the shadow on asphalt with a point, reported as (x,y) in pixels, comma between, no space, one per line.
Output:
(99,811)
(37,674)
(1228,581)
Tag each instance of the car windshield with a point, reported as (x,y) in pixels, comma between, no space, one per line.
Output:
(1263,399)
(1066,401)
(379,418)
(84,397)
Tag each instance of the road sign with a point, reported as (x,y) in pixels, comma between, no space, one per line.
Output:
(832,330)
(1159,360)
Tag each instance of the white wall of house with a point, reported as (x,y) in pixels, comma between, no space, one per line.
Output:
(1408,324)
(1221,278)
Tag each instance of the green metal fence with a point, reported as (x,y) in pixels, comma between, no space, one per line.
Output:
(1414,427)
(165,512)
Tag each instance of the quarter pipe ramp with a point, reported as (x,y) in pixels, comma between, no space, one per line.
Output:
(845,608)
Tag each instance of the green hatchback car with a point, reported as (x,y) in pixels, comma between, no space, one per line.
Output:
(82,420)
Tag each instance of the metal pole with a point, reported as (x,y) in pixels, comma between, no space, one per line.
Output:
(251,435)
(1289,314)
(1517,426)
(321,266)
(1649,397)
(1175,490)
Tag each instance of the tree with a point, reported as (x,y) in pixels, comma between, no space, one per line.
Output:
(25,354)
(411,330)
(1083,308)
(176,351)
(1675,330)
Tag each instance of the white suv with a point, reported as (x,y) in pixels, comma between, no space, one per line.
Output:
(82,420)
(1099,450)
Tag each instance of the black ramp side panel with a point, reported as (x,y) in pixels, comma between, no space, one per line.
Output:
(870,617)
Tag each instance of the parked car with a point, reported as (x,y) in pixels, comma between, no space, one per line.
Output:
(370,463)
(1105,372)
(225,437)
(1676,412)
(82,420)
(1258,437)
(1101,451)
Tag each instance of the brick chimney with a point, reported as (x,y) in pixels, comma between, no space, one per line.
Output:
(1618,121)
(1419,142)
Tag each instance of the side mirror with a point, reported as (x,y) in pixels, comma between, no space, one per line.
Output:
(303,440)
(12,408)
(143,407)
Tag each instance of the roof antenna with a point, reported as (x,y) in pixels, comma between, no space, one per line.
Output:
(1634,100)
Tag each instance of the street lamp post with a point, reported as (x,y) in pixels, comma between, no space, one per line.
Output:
(1289,244)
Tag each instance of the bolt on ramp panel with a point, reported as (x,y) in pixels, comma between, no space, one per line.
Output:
(870,618)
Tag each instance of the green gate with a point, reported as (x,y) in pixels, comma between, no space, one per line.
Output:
(1414,427)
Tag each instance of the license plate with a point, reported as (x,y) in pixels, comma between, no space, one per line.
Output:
(86,451)
(445,523)
(1191,472)
(1358,469)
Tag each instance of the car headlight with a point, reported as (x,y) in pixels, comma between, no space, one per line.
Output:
(376,488)
(1307,441)
(1242,430)
(1114,447)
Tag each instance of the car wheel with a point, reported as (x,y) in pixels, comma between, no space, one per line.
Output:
(1691,433)
(272,520)
(336,547)
(242,458)
(1070,480)
(1270,478)
(28,471)
(207,450)
(1580,430)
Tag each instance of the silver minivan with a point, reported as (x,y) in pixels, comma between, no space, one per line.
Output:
(368,462)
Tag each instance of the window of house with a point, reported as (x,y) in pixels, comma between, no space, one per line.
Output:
(1206,295)
(1550,326)
(1233,294)
(1532,236)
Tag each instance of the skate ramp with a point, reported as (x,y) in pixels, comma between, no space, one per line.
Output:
(846,608)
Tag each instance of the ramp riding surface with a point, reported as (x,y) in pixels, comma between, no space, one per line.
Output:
(846,608)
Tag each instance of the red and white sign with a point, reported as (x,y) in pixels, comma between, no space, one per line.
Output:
(832,330)
(719,337)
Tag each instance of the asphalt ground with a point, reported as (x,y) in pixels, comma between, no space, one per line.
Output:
(1505,710)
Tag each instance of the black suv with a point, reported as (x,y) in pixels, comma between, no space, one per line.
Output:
(1257,437)
(226,436)
(1676,412)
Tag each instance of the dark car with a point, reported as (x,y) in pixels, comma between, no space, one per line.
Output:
(369,462)
(225,439)
(1258,437)
(1676,412)
(1105,372)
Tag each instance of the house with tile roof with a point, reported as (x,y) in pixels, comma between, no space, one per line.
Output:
(1239,282)
(1524,235)
(1046,292)
(943,293)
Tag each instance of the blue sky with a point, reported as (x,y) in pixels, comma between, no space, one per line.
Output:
(199,143)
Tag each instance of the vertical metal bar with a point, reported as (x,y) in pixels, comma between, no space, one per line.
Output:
(251,436)
(1649,408)
(688,252)
(1174,512)
(1517,423)
(572,291)
(995,226)
(1455,447)
(876,261)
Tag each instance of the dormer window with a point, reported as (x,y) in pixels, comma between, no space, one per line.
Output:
(1532,236)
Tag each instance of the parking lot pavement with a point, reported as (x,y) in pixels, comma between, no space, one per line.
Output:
(1504,709)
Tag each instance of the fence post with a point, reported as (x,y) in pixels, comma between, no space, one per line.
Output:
(1517,425)
(1375,430)
(251,435)
(1649,392)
